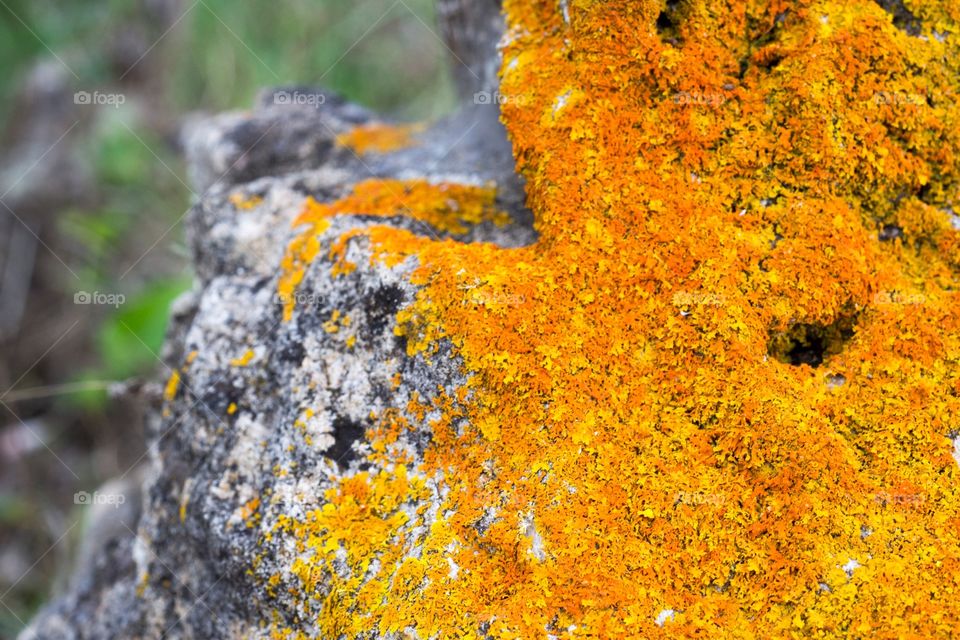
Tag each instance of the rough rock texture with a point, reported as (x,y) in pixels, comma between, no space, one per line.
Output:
(234,431)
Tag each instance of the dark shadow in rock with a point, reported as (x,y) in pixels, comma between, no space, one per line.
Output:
(381,307)
(667,23)
(903,19)
(812,344)
(345,433)
(890,232)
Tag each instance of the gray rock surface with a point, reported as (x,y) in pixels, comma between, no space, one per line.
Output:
(195,564)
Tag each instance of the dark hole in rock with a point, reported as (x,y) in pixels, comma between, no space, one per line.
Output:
(664,22)
(770,62)
(291,351)
(890,232)
(345,433)
(811,344)
(401,343)
(382,306)
(903,19)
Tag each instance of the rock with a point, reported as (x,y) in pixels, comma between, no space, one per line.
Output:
(234,452)
(397,411)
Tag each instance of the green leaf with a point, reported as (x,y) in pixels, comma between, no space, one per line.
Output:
(129,341)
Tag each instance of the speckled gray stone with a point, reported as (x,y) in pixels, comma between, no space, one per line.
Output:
(195,563)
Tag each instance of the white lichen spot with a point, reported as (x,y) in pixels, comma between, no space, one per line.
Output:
(851,566)
(954,220)
(529,530)
(565,10)
(561,102)
(835,380)
(663,616)
(454,569)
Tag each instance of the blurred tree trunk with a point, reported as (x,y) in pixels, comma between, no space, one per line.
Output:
(471,29)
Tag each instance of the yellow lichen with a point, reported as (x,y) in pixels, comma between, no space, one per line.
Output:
(184,503)
(170,390)
(244,202)
(378,137)
(243,360)
(447,208)
(173,384)
(336,322)
(698,406)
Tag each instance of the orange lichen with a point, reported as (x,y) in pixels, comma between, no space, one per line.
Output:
(447,208)
(250,512)
(647,447)
(378,137)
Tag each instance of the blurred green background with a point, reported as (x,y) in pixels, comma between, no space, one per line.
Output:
(121,232)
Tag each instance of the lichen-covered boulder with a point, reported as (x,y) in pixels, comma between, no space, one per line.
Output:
(707,385)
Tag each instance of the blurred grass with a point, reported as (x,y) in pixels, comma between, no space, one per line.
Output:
(383,54)
(217,56)
(377,53)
